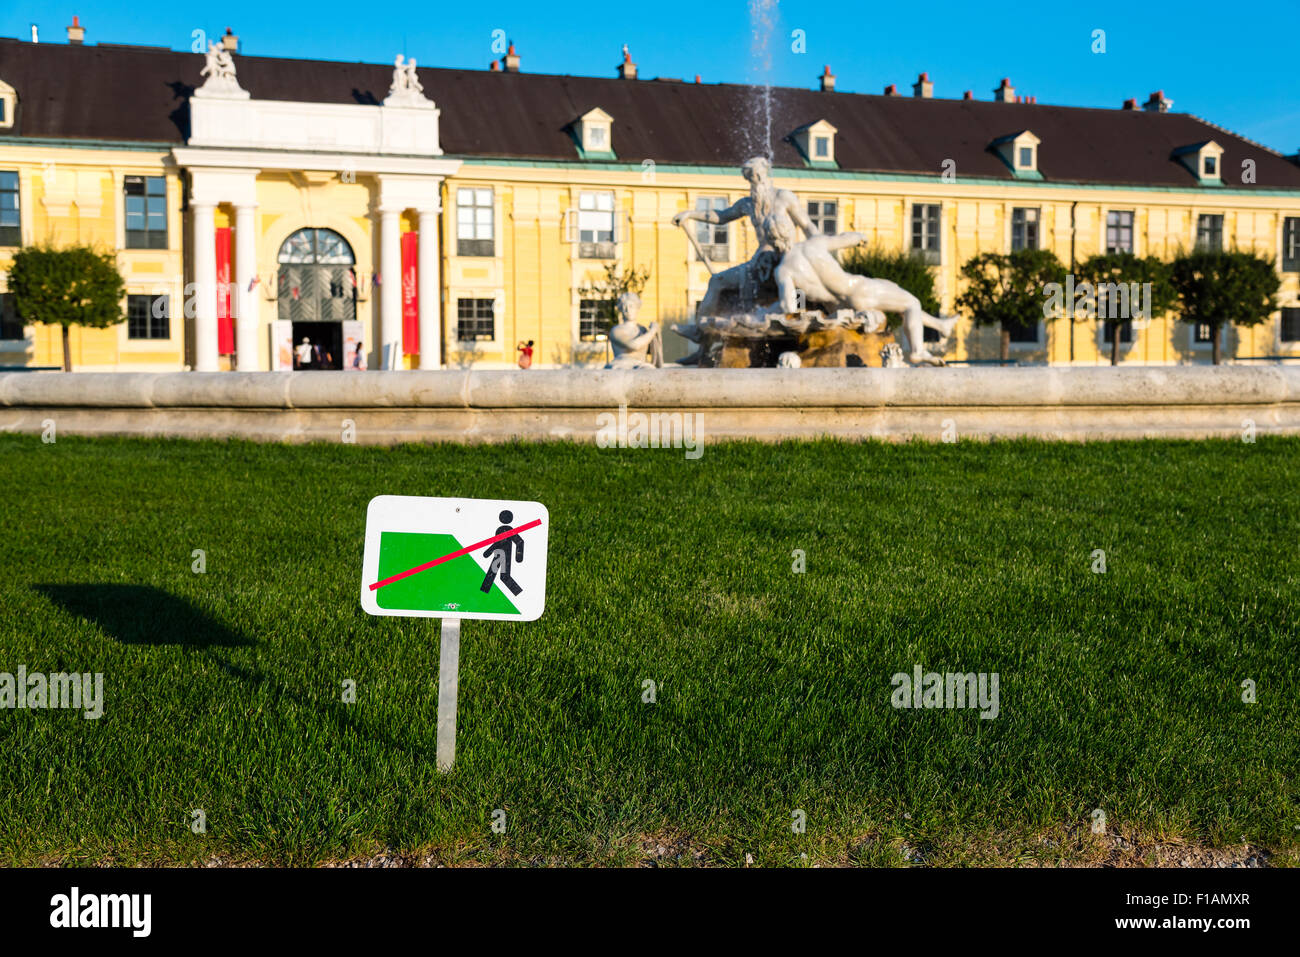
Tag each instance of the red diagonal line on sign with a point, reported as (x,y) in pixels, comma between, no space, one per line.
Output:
(448,557)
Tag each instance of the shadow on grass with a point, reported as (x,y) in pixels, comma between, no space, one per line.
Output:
(142,615)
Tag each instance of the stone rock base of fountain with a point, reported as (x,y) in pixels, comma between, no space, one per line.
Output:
(825,348)
(743,341)
(747,352)
(837,348)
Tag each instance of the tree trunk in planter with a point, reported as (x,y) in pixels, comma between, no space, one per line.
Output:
(1114,344)
(1215,349)
(67,351)
(1005,337)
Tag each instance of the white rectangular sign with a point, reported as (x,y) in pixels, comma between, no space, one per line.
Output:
(455,558)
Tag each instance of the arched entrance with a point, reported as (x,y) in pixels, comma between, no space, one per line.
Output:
(317,292)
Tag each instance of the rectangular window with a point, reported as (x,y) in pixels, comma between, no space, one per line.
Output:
(1024,228)
(476,320)
(11,223)
(1125,331)
(712,237)
(146,212)
(1291,244)
(925,231)
(1026,333)
(1211,166)
(474,222)
(596,226)
(1026,157)
(1204,333)
(822,149)
(11,327)
(148,317)
(1209,233)
(825,216)
(1291,324)
(1119,231)
(592,317)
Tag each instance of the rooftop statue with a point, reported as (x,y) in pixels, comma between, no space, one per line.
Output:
(406,89)
(221,82)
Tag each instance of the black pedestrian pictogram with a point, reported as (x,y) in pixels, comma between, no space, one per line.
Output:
(499,566)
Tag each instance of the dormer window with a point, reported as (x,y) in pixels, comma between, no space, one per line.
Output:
(593,132)
(8,105)
(816,142)
(1020,152)
(1202,160)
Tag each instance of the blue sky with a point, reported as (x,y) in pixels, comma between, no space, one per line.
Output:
(1234,65)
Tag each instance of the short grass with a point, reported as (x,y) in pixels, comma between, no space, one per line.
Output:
(1120,691)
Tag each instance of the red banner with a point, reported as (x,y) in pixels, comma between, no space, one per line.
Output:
(225,327)
(410,294)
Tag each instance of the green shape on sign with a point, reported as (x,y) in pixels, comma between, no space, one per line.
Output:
(458,582)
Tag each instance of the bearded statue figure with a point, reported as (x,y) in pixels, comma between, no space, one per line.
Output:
(777,217)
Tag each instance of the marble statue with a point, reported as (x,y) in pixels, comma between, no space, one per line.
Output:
(810,267)
(812,291)
(891,357)
(788,360)
(776,215)
(219,68)
(406,89)
(630,340)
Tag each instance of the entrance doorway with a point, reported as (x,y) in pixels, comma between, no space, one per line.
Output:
(317,294)
(319,343)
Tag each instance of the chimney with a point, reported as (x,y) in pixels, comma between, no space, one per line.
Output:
(496,66)
(892,90)
(230,42)
(968,95)
(697,78)
(36,38)
(1005,93)
(923,87)
(76,32)
(512,60)
(827,80)
(1157,103)
(626,69)
(1131,103)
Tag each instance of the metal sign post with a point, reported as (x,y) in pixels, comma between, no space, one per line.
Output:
(448,680)
(454,558)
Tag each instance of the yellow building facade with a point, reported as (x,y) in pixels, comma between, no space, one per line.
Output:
(308,213)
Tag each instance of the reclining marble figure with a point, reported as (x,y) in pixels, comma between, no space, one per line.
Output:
(810,267)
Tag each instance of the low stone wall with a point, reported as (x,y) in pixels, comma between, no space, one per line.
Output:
(583,405)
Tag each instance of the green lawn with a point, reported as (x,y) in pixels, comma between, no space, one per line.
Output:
(1119,691)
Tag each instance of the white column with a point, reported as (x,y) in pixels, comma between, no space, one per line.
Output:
(245,298)
(430,292)
(390,289)
(205,286)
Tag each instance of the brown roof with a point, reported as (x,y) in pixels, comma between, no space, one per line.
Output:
(113,92)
